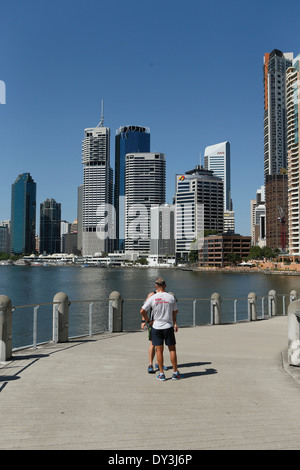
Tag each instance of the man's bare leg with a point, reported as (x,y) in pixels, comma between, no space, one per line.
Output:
(173,357)
(160,358)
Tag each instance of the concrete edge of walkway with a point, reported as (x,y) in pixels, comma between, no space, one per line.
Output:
(293,371)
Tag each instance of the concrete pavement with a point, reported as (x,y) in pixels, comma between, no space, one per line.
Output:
(237,392)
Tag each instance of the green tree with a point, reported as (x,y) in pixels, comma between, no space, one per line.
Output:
(233,258)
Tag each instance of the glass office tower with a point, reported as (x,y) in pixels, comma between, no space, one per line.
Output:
(23,215)
(50,216)
(129,139)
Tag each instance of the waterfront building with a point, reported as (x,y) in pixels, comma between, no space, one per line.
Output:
(4,236)
(275,66)
(229,222)
(217,159)
(162,240)
(97,194)
(258,218)
(199,206)
(65,228)
(129,139)
(50,215)
(79,218)
(276,188)
(145,186)
(23,215)
(293,93)
(224,249)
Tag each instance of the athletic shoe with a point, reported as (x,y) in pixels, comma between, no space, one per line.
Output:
(161,377)
(157,368)
(150,370)
(176,376)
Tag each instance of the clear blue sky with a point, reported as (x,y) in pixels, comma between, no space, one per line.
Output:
(189,70)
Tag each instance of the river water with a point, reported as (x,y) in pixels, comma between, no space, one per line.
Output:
(27,285)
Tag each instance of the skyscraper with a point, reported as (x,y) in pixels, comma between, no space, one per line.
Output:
(50,219)
(145,186)
(217,159)
(23,215)
(129,139)
(258,218)
(199,206)
(293,93)
(275,66)
(97,194)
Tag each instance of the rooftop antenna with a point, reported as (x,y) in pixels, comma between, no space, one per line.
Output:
(102,116)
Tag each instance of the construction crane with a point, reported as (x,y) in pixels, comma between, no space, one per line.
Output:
(283,228)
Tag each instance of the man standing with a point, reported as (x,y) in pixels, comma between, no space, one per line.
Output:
(164,312)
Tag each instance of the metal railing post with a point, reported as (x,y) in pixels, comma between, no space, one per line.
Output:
(91,319)
(194,312)
(35,310)
(234,310)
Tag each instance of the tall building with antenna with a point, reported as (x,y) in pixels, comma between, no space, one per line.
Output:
(97,191)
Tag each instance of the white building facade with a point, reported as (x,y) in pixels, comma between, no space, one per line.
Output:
(97,215)
(198,207)
(217,159)
(145,187)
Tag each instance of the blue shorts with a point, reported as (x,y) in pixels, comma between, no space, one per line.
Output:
(161,336)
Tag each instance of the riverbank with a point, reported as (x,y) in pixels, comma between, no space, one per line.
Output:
(240,270)
(213,269)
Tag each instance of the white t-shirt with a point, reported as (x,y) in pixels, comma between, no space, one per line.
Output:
(163,305)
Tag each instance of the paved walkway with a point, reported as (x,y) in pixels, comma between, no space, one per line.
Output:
(96,394)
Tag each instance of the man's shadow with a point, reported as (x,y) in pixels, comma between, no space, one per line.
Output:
(186,375)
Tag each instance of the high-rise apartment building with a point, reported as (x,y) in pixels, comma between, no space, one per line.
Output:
(97,193)
(50,220)
(199,206)
(145,186)
(23,215)
(129,139)
(275,66)
(292,100)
